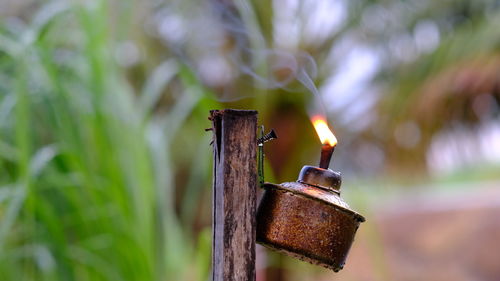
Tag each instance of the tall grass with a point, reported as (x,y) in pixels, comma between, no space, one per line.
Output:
(87,181)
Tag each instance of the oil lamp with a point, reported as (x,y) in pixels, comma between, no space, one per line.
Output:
(308,219)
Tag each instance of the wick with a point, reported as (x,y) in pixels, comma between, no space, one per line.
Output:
(326,156)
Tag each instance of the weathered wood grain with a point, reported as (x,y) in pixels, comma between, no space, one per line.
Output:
(234,194)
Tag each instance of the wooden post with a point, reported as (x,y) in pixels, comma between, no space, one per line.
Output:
(234,194)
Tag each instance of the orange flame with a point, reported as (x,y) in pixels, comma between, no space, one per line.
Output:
(325,134)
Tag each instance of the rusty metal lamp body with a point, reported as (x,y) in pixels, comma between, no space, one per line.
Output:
(308,219)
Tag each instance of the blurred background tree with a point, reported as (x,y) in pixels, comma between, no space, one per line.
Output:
(105,163)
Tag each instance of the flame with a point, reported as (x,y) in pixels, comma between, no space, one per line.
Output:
(325,134)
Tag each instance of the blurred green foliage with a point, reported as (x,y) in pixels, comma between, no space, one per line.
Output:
(87,182)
